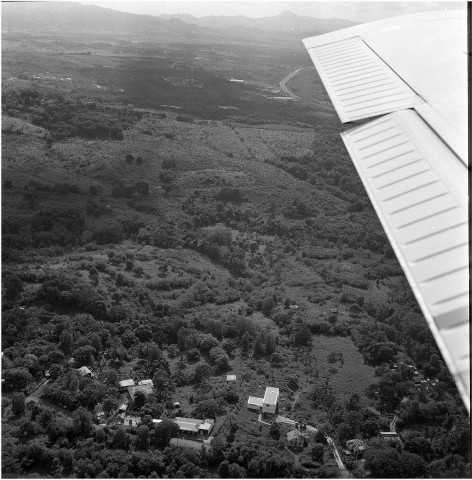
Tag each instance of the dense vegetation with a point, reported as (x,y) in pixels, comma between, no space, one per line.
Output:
(161,246)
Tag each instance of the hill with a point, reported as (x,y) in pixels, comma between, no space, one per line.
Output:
(74,18)
(284,22)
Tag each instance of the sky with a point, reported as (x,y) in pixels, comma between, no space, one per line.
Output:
(357,11)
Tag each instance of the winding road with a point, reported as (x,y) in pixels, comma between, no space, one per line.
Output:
(296,97)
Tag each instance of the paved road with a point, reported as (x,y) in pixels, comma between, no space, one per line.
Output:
(296,97)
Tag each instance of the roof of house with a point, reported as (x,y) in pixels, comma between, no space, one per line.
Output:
(293,434)
(188,420)
(355,444)
(145,382)
(126,383)
(84,371)
(271,395)
(156,420)
(230,377)
(255,401)
(188,426)
(123,406)
(207,424)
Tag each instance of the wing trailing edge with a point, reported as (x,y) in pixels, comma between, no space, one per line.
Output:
(412,159)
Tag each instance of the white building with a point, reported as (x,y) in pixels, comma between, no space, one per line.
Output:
(255,403)
(124,384)
(270,400)
(193,426)
(145,382)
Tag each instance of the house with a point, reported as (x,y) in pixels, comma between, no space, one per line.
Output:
(295,438)
(122,407)
(146,389)
(85,372)
(355,445)
(131,419)
(145,382)
(270,400)
(255,403)
(193,426)
(124,384)
(176,405)
(391,436)
(230,378)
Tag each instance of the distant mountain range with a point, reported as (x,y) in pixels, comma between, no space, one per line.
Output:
(284,22)
(71,17)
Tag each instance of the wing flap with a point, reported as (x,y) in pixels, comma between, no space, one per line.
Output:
(415,183)
(413,162)
(358,82)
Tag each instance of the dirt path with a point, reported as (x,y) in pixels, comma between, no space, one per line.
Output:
(337,458)
(35,396)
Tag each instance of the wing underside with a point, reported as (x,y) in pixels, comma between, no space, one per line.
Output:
(413,167)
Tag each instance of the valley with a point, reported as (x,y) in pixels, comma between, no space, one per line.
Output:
(165,224)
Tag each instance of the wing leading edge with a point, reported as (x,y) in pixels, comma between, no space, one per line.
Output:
(412,161)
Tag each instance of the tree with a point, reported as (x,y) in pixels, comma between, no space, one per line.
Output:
(209,408)
(17,378)
(245,342)
(236,471)
(386,462)
(202,371)
(268,306)
(82,422)
(139,399)
(142,437)
(14,286)
(276,359)
(129,339)
(18,403)
(259,345)
(219,358)
(112,377)
(84,355)
(193,354)
(164,431)
(129,158)
(66,341)
(317,452)
(55,371)
(109,405)
(270,343)
(223,469)
(302,336)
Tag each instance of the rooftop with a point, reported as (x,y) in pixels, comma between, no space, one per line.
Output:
(271,395)
(84,371)
(294,434)
(126,383)
(145,382)
(188,426)
(256,401)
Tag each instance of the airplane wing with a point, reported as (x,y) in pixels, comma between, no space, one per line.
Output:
(410,75)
